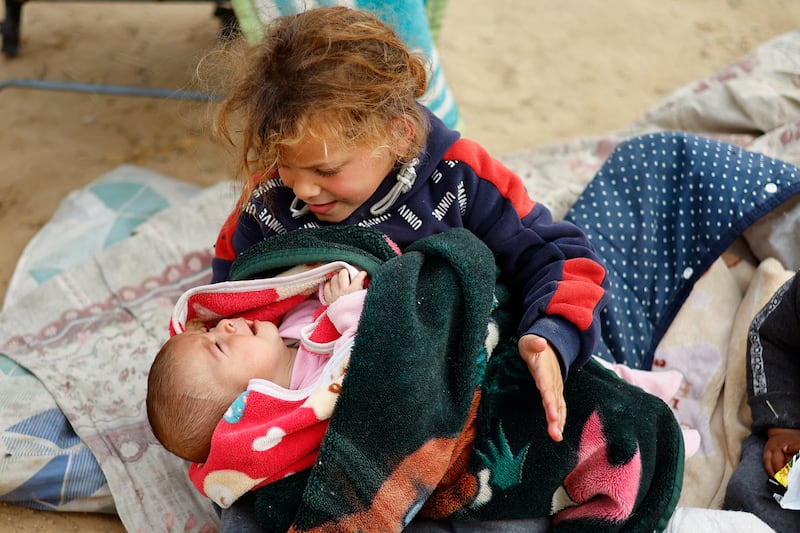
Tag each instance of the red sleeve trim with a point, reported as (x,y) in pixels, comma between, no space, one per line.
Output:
(223,248)
(579,292)
(490,169)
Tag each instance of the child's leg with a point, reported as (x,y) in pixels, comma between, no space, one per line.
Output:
(747,490)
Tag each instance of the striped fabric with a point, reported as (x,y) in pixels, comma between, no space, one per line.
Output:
(416,21)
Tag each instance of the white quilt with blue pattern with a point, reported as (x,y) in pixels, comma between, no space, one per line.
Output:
(44,464)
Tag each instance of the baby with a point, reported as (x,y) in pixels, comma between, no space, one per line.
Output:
(202,379)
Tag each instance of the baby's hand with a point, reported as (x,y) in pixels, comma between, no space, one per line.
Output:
(543,365)
(781,445)
(341,284)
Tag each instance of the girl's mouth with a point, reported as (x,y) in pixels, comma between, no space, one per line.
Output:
(321,209)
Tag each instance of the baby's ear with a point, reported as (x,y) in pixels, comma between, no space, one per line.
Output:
(195,324)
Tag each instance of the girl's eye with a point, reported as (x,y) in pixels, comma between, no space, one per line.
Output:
(327,171)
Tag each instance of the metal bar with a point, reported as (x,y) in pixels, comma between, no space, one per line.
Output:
(117,90)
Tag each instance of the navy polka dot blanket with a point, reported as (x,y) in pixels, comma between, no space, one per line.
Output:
(660,211)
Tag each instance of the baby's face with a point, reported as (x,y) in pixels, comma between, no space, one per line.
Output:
(236,350)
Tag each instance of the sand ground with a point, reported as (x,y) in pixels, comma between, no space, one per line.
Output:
(524,73)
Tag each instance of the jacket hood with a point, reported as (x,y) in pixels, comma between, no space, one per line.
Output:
(440,139)
(417,172)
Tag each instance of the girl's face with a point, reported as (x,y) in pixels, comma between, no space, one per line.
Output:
(334,181)
(236,350)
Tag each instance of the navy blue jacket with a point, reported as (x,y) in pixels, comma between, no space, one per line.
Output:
(773,369)
(550,264)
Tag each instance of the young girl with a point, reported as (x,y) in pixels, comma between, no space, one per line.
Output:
(331,133)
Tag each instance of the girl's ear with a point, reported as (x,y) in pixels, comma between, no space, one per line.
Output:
(404,133)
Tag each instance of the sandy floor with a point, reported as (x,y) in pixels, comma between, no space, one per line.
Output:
(524,73)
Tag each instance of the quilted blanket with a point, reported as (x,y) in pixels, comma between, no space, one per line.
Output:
(429,343)
(89,333)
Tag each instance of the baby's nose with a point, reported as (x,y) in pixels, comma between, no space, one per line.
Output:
(227,325)
(237,324)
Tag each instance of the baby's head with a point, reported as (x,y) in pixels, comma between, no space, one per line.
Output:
(332,73)
(182,409)
(197,374)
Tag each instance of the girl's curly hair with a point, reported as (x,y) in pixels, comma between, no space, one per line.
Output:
(335,73)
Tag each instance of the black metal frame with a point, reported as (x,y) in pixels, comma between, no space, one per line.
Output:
(10,27)
(10,32)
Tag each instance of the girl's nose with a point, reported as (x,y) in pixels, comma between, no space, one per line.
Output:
(304,186)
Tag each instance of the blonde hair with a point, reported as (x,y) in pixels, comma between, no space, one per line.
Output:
(335,73)
(182,417)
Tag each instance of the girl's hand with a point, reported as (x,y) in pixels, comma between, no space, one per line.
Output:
(341,284)
(543,365)
(781,445)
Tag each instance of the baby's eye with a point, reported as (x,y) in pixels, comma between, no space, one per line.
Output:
(217,345)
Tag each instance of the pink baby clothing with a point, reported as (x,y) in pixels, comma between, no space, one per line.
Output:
(270,431)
